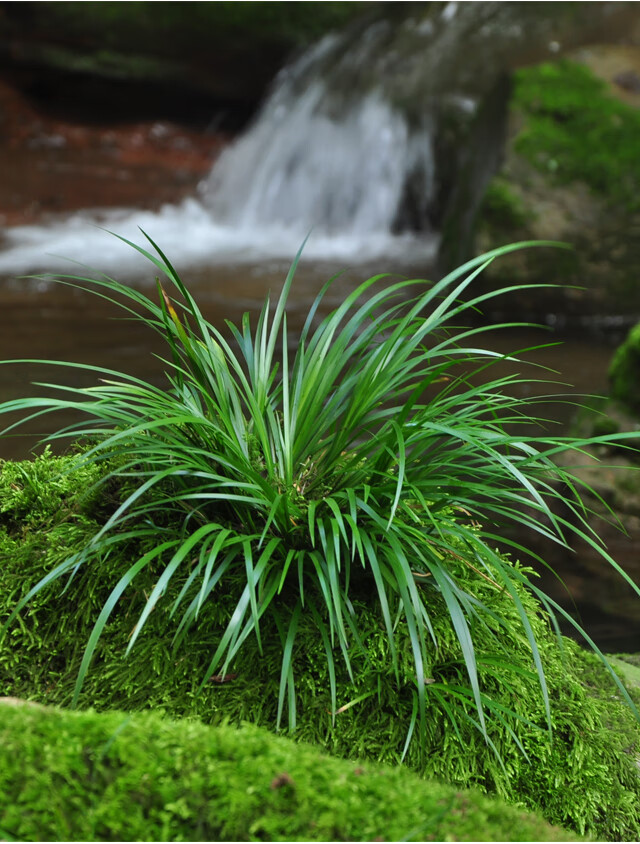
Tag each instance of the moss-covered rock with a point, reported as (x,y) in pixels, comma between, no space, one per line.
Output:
(574,130)
(624,372)
(116,777)
(584,778)
(571,170)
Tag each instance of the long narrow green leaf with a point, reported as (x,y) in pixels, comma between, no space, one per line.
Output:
(108,608)
(286,673)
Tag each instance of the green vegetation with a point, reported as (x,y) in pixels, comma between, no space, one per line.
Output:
(624,372)
(313,534)
(335,480)
(82,776)
(575,130)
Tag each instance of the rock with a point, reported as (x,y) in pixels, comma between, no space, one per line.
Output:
(471,163)
(571,174)
(214,56)
(629,80)
(624,372)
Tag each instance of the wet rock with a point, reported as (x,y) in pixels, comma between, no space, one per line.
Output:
(466,168)
(629,80)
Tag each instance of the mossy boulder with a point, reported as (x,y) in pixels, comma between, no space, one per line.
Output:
(583,778)
(571,173)
(116,777)
(624,372)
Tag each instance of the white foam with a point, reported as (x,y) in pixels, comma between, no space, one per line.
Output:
(189,236)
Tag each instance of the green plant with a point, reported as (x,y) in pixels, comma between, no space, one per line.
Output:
(366,464)
(624,370)
(502,208)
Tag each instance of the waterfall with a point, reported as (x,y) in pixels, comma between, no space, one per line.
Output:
(318,159)
(342,150)
(329,155)
(368,141)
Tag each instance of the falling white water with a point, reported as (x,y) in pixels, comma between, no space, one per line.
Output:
(302,169)
(316,162)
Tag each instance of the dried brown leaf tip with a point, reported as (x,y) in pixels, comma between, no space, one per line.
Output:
(280,781)
(222,678)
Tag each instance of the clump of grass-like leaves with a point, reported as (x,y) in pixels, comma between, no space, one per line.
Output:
(365,463)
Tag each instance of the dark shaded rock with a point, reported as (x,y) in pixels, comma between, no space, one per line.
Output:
(177,61)
(466,169)
(629,80)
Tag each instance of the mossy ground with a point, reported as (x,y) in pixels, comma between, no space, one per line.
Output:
(584,779)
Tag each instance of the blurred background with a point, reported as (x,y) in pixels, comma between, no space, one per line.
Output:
(402,137)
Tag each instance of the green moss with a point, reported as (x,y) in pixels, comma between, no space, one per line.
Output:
(575,130)
(84,776)
(502,208)
(583,779)
(46,491)
(604,426)
(624,371)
